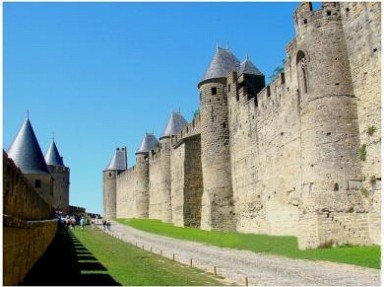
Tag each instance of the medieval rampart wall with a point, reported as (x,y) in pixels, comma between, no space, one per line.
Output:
(27,228)
(362,29)
(60,176)
(20,199)
(126,194)
(265,156)
(177,184)
(156,185)
(187,182)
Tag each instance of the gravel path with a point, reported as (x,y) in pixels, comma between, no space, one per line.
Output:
(235,265)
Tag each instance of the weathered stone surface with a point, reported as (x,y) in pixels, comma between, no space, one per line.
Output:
(301,157)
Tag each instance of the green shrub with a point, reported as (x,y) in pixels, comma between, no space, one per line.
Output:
(363,152)
(371,130)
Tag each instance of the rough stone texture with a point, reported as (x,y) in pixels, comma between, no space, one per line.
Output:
(60,176)
(362,30)
(20,199)
(27,230)
(160,182)
(301,156)
(126,195)
(23,246)
(187,182)
(109,193)
(217,203)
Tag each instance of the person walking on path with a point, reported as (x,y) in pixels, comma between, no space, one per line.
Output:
(82,221)
(108,223)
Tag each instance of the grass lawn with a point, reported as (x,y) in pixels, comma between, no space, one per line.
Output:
(130,265)
(367,256)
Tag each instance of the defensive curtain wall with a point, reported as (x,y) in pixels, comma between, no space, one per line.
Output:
(26,215)
(299,157)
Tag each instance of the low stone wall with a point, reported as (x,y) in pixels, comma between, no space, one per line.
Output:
(24,242)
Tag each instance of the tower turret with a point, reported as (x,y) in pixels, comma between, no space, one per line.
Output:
(329,124)
(26,153)
(217,201)
(250,78)
(148,143)
(175,123)
(60,174)
(117,164)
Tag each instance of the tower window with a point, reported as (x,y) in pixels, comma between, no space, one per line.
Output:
(305,21)
(37,183)
(229,87)
(329,13)
(214,91)
(302,67)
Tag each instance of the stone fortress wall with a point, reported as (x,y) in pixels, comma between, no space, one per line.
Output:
(25,215)
(299,157)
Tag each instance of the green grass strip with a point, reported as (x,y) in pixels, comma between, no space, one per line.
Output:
(130,265)
(366,256)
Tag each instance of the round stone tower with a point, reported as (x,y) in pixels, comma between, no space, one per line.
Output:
(329,127)
(26,153)
(116,166)
(148,143)
(60,174)
(217,200)
(175,123)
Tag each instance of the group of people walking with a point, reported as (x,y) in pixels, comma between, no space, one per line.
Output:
(71,221)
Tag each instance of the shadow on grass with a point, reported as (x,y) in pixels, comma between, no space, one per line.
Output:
(68,263)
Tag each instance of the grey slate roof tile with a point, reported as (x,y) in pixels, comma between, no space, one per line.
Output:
(118,161)
(247,67)
(52,157)
(224,62)
(148,143)
(26,152)
(175,123)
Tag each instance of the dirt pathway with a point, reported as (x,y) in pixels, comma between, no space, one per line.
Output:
(238,266)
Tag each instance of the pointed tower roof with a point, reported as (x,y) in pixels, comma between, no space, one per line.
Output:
(247,67)
(118,161)
(52,157)
(26,152)
(175,123)
(148,143)
(222,63)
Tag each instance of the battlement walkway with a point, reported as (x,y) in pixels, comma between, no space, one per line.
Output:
(238,266)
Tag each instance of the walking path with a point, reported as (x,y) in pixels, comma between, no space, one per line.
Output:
(67,262)
(238,266)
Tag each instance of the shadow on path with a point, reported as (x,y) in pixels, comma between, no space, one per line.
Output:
(68,263)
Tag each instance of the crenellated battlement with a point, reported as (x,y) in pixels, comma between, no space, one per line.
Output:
(191,129)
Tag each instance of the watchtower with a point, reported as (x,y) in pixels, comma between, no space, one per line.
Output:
(217,202)
(117,164)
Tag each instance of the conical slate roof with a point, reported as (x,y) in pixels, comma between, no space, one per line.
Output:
(222,63)
(175,124)
(26,153)
(52,157)
(118,161)
(148,143)
(247,67)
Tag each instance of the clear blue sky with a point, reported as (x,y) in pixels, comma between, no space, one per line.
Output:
(99,75)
